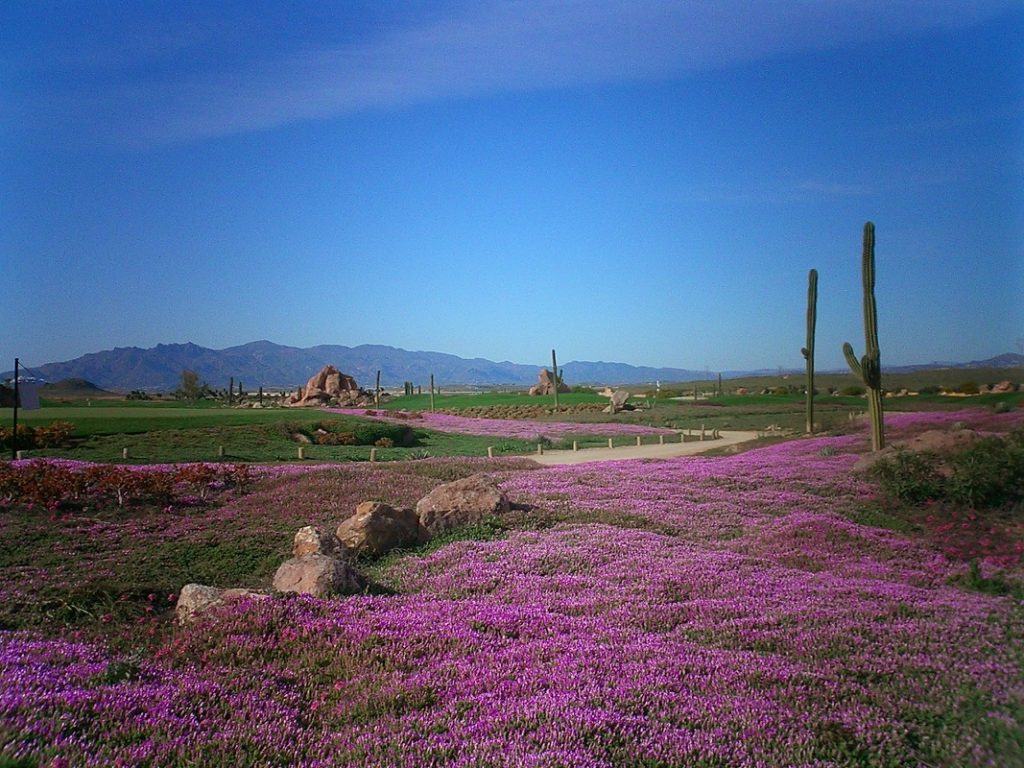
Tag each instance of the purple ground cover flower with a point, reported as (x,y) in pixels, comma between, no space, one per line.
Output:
(739,619)
(512,428)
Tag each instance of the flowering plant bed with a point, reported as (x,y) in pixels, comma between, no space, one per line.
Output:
(771,608)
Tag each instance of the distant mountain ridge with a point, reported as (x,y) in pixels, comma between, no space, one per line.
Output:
(263,363)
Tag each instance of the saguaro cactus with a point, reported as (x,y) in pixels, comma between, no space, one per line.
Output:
(808,351)
(869,367)
(554,374)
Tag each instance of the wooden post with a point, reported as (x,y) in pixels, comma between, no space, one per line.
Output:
(220,451)
(124,453)
(638,440)
(661,439)
(554,373)
(609,442)
(19,455)
(540,449)
(376,392)
(701,431)
(575,445)
(302,452)
(431,393)
(373,454)
(490,451)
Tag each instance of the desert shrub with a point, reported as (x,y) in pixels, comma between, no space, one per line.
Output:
(336,438)
(26,437)
(384,442)
(52,436)
(968,388)
(854,391)
(929,390)
(910,476)
(55,435)
(988,473)
(399,434)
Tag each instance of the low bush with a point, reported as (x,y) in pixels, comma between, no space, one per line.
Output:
(55,435)
(988,473)
(55,486)
(911,476)
(854,391)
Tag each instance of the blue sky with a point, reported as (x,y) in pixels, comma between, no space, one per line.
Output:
(645,182)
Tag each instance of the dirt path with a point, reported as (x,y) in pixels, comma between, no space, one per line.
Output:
(584,455)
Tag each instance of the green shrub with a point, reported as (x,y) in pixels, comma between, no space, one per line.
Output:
(988,473)
(854,391)
(968,388)
(910,476)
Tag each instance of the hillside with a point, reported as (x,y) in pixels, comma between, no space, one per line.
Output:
(263,363)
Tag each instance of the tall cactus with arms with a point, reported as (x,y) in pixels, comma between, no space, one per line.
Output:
(869,367)
(808,351)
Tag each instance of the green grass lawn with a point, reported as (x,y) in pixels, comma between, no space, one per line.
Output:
(489,400)
(158,433)
(161,431)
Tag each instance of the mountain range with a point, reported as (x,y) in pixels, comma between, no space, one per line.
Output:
(263,363)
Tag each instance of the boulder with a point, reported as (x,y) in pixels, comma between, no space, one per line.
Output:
(546,384)
(1004,386)
(618,401)
(325,385)
(376,528)
(310,540)
(193,599)
(318,575)
(460,503)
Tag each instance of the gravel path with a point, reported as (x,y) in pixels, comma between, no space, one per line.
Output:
(584,455)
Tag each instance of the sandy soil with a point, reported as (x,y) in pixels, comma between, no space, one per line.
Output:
(584,455)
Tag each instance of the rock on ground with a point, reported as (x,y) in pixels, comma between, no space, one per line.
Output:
(318,575)
(310,540)
(194,599)
(376,528)
(460,503)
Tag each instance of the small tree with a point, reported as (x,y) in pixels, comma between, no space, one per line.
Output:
(191,388)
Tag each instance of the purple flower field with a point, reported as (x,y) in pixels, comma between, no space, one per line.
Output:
(708,612)
(511,428)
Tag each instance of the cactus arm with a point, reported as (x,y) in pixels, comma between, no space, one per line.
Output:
(852,361)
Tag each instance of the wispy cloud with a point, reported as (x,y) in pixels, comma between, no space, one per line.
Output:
(471,50)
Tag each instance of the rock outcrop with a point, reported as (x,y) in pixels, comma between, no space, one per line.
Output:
(326,386)
(546,384)
(462,502)
(618,401)
(377,528)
